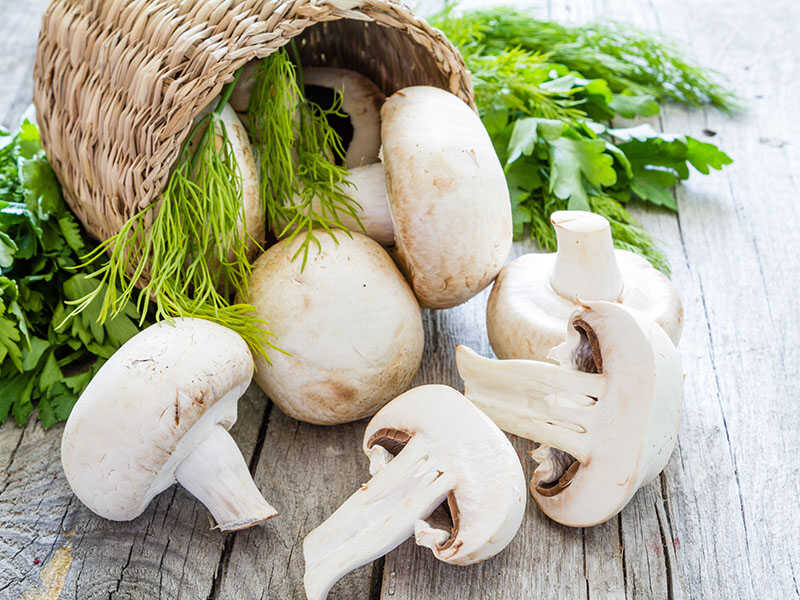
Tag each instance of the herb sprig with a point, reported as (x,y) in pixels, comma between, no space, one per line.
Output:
(546,93)
(46,357)
(303,187)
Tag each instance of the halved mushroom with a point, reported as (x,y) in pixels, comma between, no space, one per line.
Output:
(439,196)
(348,321)
(442,471)
(159,412)
(535,294)
(606,416)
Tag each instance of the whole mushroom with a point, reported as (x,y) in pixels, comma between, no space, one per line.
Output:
(606,416)
(442,471)
(348,322)
(159,412)
(439,197)
(535,294)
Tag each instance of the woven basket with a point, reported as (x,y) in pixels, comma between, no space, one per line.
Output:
(117,83)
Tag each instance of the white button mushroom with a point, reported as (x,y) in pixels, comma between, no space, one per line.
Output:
(428,446)
(158,411)
(349,323)
(440,196)
(607,418)
(535,294)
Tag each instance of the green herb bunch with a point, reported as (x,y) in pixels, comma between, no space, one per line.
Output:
(188,251)
(46,357)
(298,151)
(547,93)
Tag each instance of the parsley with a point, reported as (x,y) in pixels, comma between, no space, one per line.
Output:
(546,93)
(46,358)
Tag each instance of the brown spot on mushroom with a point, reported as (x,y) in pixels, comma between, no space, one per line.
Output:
(587,356)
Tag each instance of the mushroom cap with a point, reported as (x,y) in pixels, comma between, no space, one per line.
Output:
(361,101)
(147,408)
(349,322)
(634,424)
(490,495)
(448,195)
(526,318)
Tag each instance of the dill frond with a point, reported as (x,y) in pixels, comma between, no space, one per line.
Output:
(188,251)
(301,185)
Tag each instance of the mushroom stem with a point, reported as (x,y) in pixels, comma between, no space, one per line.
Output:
(539,401)
(376,519)
(586,264)
(368,189)
(215,473)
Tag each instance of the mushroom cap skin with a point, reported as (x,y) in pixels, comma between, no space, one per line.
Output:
(349,322)
(490,494)
(448,195)
(526,317)
(361,101)
(428,448)
(148,407)
(613,406)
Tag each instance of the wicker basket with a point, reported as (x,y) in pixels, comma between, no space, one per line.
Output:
(117,83)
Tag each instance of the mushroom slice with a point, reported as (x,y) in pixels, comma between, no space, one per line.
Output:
(606,416)
(535,294)
(349,322)
(453,481)
(158,412)
(361,102)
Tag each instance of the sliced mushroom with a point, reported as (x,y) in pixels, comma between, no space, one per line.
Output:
(159,412)
(439,196)
(361,102)
(442,471)
(606,416)
(348,321)
(535,294)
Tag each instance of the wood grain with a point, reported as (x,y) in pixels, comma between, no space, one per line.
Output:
(720,522)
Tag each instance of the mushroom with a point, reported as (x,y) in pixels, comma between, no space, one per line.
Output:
(158,412)
(440,196)
(254,217)
(442,471)
(348,321)
(606,415)
(535,294)
(361,102)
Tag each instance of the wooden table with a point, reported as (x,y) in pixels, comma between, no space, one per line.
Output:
(721,522)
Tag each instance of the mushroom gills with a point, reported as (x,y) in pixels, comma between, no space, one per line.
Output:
(385,511)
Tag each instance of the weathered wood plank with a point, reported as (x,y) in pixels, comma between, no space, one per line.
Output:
(20,26)
(306,472)
(167,552)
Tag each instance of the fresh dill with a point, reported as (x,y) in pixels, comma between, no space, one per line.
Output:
(188,252)
(303,187)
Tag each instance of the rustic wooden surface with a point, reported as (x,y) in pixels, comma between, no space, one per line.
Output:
(721,522)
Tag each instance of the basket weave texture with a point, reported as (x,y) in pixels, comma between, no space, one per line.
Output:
(117,83)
